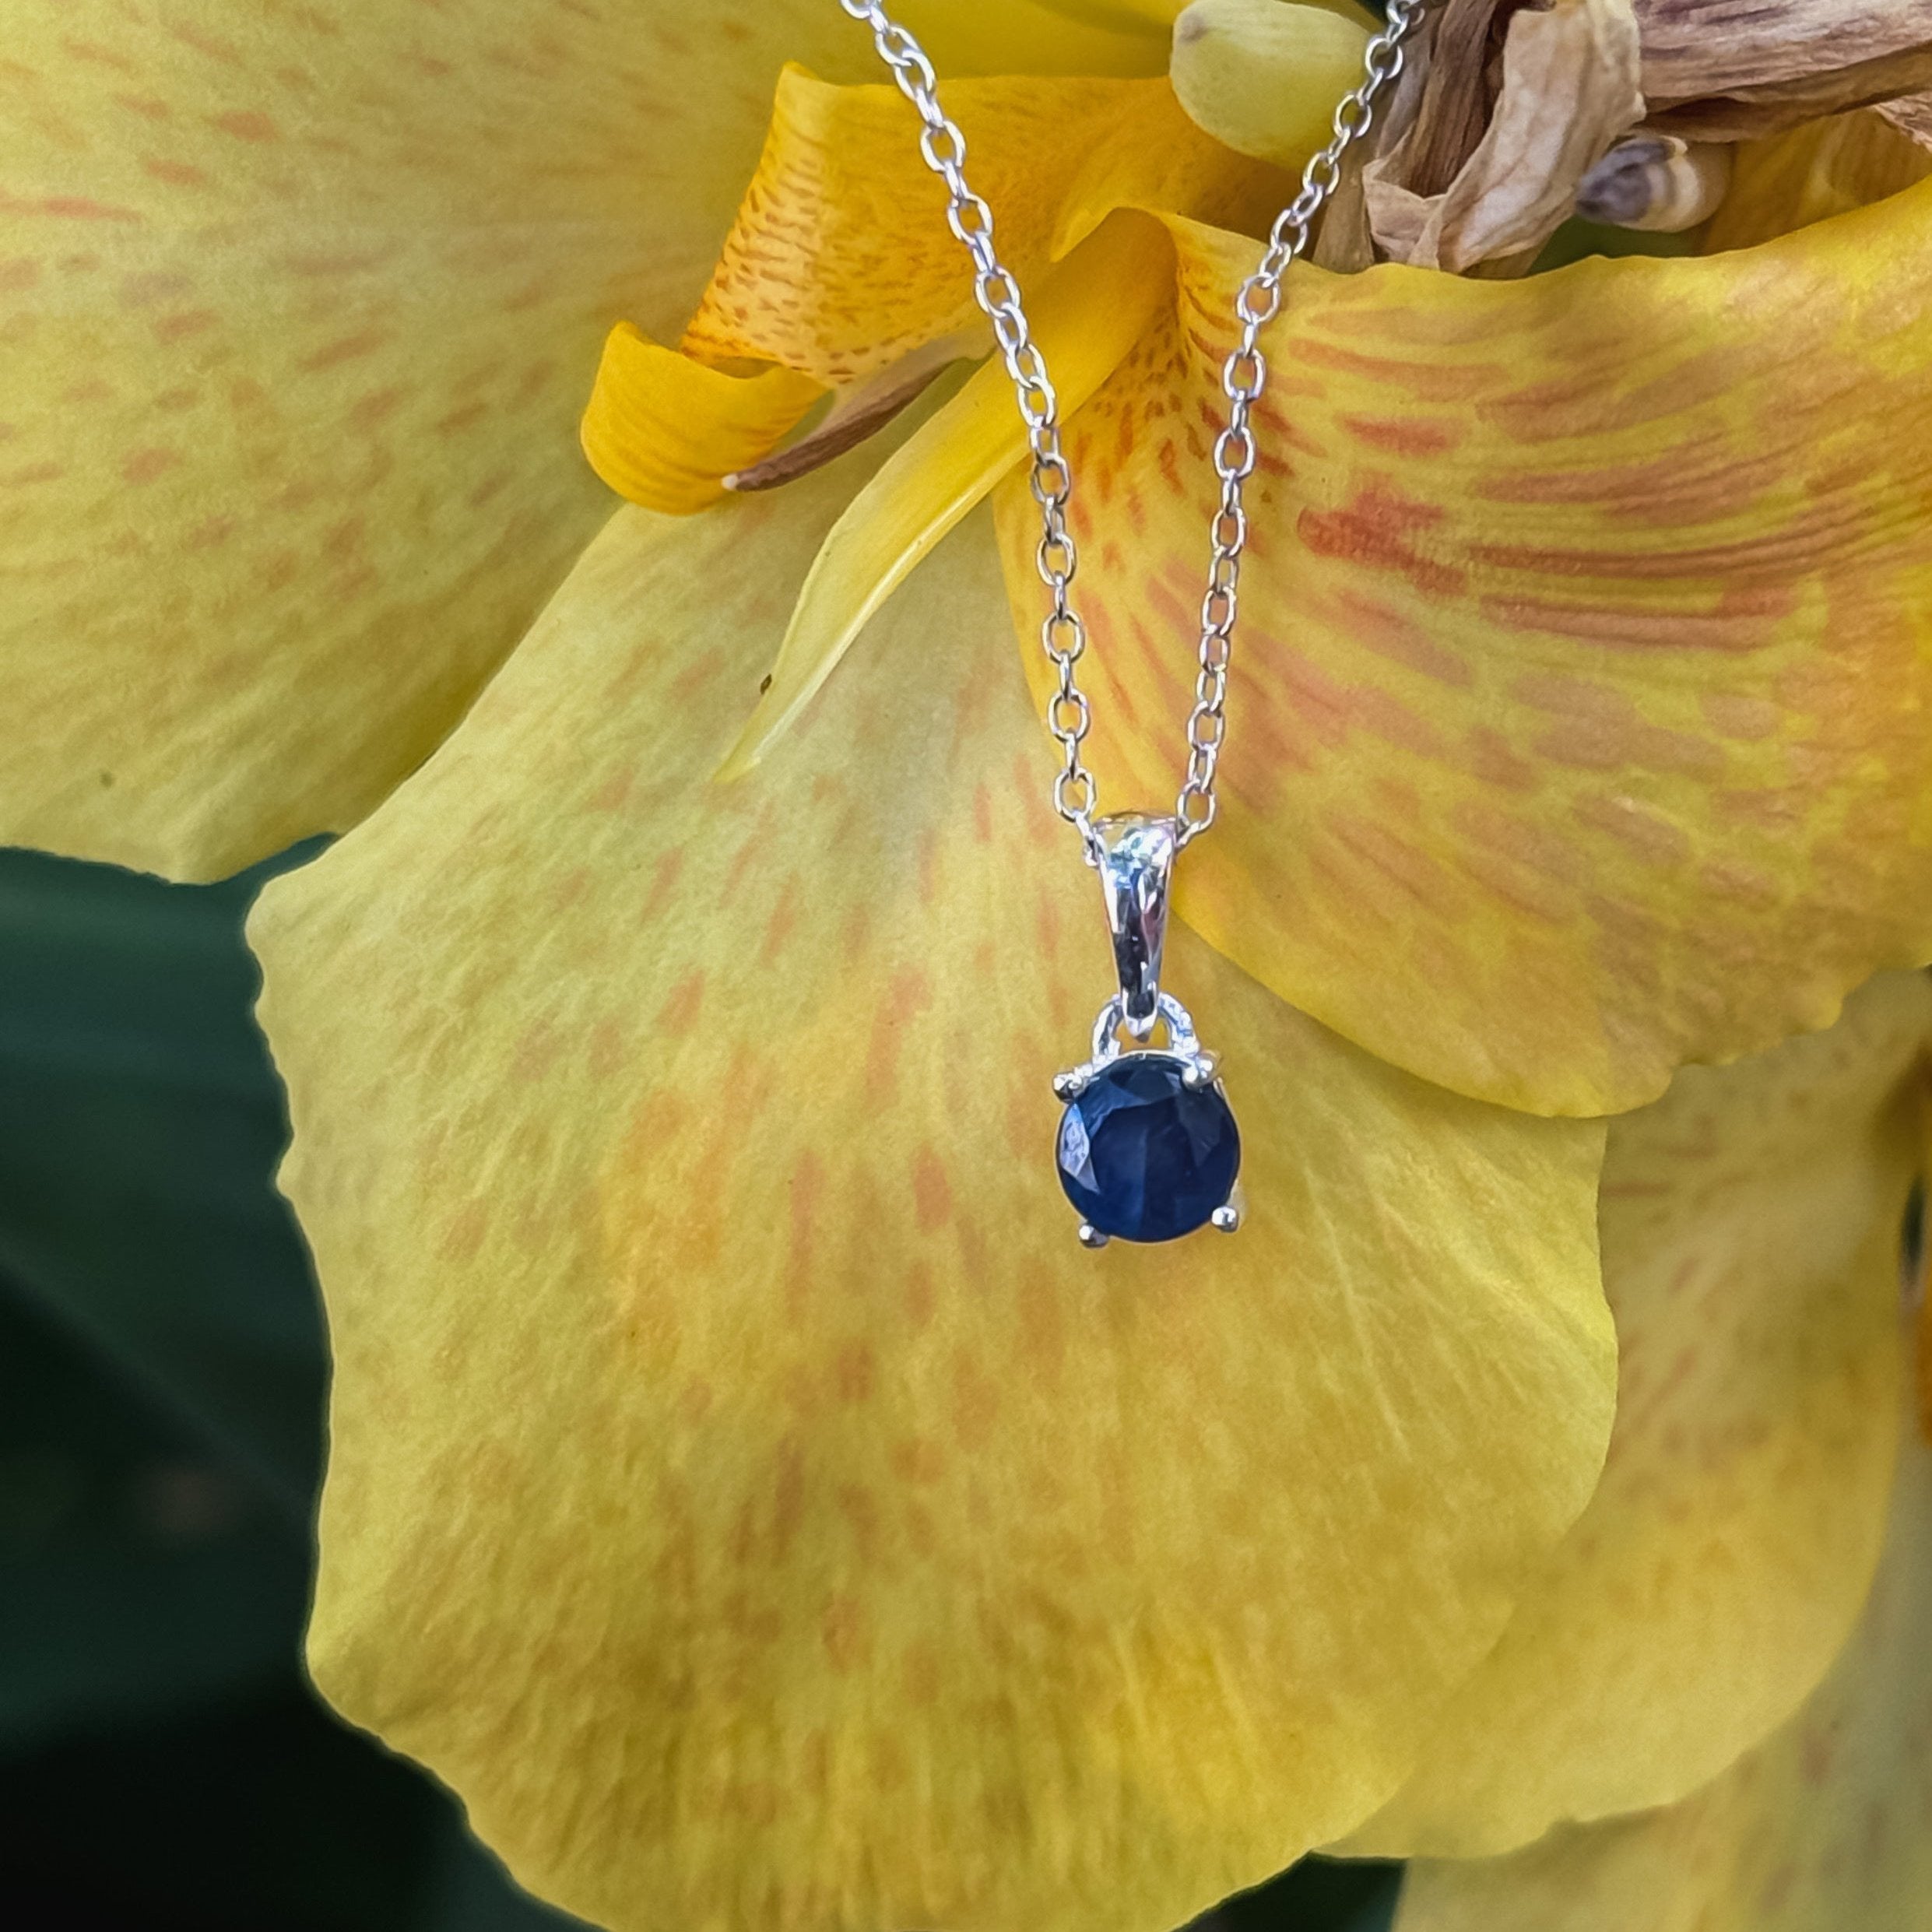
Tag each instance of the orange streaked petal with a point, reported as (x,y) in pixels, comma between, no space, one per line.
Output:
(1822,1828)
(743,1488)
(1749,1224)
(1577,727)
(665,431)
(841,261)
(1090,312)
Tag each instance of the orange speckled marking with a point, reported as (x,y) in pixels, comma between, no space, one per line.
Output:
(680,1011)
(932,1192)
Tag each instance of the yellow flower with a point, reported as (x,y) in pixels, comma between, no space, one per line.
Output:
(742,1490)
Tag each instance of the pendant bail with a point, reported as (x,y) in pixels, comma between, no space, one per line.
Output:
(1136,870)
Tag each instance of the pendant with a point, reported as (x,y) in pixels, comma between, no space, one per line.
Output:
(1148,1150)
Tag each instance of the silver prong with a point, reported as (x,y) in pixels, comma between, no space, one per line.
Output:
(1091,1236)
(1227,1217)
(1072,1084)
(1200,1072)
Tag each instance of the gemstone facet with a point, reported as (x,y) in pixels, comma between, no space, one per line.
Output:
(1144,1156)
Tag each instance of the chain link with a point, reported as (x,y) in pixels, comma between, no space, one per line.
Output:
(1243,377)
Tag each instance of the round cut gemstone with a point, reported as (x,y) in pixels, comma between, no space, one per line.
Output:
(1144,1157)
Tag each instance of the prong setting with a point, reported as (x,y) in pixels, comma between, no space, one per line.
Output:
(1147,1149)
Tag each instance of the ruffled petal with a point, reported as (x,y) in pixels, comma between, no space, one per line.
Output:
(1577,721)
(1749,1224)
(1820,1829)
(744,1490)
(841,260)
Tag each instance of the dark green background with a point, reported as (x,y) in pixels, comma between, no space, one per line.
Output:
(162,1765)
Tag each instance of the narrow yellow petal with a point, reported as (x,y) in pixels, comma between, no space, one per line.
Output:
(1822,1828)
(1750,1224)
(744,1489)
(664,431)
(1086,317)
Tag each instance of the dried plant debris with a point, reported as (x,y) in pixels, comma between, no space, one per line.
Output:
(1564,89)
(1525,111)
(1731,70)
(1656,182)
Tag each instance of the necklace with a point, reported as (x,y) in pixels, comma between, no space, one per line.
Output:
(1147,1148)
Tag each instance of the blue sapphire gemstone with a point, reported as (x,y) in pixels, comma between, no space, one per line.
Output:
(1144,1157)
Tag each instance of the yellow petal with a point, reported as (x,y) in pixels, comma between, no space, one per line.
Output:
(1021,36)
(665,431)
(299,312)
(1087,315)
(841,261)
(298,315)
(1826,168)
(1820,1829)
(1749,1224)
(743,1489)
(1150,16)
(1153,18)
(1577,724)
(1924,1339)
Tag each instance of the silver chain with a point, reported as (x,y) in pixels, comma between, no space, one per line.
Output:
(1244,376)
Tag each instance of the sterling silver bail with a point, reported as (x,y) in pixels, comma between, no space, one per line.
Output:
(1135,854)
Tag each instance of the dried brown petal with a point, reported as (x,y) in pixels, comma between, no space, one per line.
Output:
(1732,70)
(1568,89)
(1695,48)
(1466,42)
